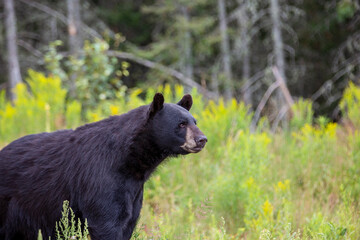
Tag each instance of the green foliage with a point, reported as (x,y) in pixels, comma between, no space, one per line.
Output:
(186,37)
(40,237)
(127,16)
(224,120)
(350,104)
(40,108)
(73,114)
(301,184)
(97,77)
(302,114)
(236,194)
(68,228)
(345,9)
(53,60)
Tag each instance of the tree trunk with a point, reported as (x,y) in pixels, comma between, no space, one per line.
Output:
(53,29)
(74,37)
(74,22)
(214,84)
(187,65)
(225,50)
(278,46)
(13,61)
(246,73)
(243,49)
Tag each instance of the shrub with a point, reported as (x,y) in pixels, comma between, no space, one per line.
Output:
(68,228)
(97,76)
(350,104)
(37,109)
(300,183)
(302,114)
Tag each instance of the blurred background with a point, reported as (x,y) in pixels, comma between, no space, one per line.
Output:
(225,48)
(276,90)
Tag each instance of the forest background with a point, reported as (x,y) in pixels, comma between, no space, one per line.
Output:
(226,47)
(276,165)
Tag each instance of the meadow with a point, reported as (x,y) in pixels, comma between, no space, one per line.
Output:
(301,182)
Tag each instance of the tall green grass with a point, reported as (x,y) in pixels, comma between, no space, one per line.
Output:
(299,183)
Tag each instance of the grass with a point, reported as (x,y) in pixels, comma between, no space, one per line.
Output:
(299,183)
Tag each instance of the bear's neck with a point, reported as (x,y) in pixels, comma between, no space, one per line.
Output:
(143,157)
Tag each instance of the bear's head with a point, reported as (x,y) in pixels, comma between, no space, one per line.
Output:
(173,128)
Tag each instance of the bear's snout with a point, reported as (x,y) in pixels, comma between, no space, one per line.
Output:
(201,141)
(195,140)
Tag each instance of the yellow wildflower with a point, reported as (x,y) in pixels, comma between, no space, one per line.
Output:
(114,110)
(250,182)
(95,117)
(282,186)
(331,129)
(268,208)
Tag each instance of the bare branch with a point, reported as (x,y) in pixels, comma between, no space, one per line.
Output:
(46,9)
(279,117)
(283,86)
(279,83)
(172,72)
(254,88)
(321,90)
(253,79)
(351,43)
(30,48)
(60,16)
(262,103)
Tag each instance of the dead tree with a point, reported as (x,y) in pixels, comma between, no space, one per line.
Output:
(74,37)
(225,49)
(278,46)
(242,47)
(187,61)
(12,51)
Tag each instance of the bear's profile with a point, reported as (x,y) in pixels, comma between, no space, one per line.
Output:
(100,168)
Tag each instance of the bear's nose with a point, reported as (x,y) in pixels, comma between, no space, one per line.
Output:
(201,141)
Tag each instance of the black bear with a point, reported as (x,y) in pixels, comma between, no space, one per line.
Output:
(100,168)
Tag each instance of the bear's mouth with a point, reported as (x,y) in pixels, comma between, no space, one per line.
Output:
(193,149)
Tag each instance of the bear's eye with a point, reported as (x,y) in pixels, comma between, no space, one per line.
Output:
(182,125)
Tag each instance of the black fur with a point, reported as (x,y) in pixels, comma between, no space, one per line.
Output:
(100,168)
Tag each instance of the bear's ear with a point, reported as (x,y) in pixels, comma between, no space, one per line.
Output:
(156,105)
(186,102)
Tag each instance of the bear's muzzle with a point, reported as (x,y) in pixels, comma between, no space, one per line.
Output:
(195,140)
